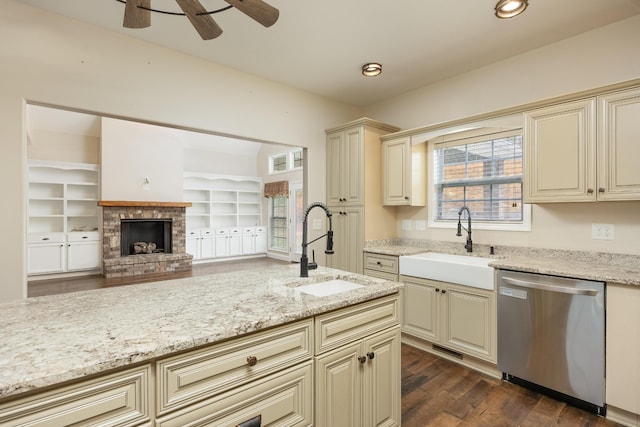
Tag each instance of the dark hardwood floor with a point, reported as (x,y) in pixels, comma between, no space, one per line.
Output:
(440,393)
(435,391)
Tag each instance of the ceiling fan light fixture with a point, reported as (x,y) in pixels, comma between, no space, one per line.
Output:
(371,69)
(510,8)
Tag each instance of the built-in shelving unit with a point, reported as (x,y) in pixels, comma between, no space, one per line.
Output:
(222,200)
(63,217)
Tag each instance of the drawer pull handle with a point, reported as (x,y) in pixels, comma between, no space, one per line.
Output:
(252,360)
(45,238)
(371,355)
(85,237)
(362,359)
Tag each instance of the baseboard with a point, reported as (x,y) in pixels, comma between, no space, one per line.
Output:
(623,417)
(470,362)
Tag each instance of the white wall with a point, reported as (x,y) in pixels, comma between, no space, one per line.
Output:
(594,59)
(63,147)
(58,61)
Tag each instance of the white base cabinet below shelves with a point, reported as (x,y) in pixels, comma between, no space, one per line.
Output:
(63,252)
(459,318)
(201,243)
(254,240)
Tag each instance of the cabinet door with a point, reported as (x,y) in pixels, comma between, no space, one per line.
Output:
(261,241)
(623,347)
(469,321)
(207,246)
(45,258)
(222,246)
(348,235)
(339,387)
(421,313)
(396,170)
(192,243)
(353,167)
(235,245)
(248,244)
(334,168)
(619,146)
(83,255)
(560,153)
(381,402)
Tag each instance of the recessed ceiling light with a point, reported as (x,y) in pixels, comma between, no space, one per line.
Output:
(510,8)
(371,69)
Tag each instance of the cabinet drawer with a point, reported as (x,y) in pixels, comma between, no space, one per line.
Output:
(282,399)
(45,238)
(381,275)
(83,237)
(384,263)
(120,399)
(351,323)
(197,375)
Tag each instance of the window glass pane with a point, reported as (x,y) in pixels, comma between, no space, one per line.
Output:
(279,163)
(484,176)
(278,223)
(297,159)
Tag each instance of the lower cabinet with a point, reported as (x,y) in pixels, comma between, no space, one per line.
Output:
(358,365)
(63,252)
(623,352)
(459,318)
(381,266)
(200,243)
(120,399)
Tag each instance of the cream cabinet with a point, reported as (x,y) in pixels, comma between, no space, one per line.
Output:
(404,172)
(623,350)
(348,238)
(584,150)
(381,265)
(458,318)
(354,190)
(358,365)
(120,399)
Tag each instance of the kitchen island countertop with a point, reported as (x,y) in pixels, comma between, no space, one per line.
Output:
(49,340)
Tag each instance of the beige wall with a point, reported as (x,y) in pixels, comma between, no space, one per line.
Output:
(598,58)
(58,61)
(63,147)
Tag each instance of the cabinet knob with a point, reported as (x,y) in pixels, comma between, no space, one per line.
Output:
(600,190)
(406,197)
(437,289)
(252,360)
(378,262)
(590,190)
(444,291)
(362,359)
(371,355)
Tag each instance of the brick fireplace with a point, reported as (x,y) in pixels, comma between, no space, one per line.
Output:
(118,264)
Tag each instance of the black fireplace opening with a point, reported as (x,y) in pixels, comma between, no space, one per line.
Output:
(145,236)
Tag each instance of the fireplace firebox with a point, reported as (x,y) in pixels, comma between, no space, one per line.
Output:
(145,236)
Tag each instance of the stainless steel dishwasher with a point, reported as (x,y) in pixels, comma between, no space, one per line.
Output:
(551,333)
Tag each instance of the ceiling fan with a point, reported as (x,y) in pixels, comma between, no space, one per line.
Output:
(137,14)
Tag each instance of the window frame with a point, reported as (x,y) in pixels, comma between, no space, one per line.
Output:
(271,228)
(463,138)
(289,157)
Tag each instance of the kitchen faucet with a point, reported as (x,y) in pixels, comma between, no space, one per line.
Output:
(469,245)
(305,265)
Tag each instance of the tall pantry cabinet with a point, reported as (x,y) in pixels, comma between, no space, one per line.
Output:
(354,191)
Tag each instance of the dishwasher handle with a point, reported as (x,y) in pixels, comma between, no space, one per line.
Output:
(551,288)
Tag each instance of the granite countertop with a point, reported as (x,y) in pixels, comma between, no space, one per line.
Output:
(49,340)
(606,267)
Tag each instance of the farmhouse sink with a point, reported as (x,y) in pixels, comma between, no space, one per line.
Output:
(464,270)
(330,287)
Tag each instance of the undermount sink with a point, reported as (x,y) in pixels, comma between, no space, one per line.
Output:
(330,287)
(464,270)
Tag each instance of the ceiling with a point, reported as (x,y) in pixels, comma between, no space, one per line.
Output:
(320,45)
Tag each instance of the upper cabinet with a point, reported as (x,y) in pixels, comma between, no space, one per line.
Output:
(584,150)
(404,168)
(345,167)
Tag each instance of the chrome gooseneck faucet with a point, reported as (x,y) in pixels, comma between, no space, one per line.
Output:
(305,265)
(469,245)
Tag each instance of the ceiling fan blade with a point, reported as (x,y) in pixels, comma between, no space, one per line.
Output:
(135,17)
(204,24)
(258,10)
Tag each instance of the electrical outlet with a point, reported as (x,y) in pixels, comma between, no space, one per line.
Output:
(317,224)
(602,231)
(406,224)
(421,224)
